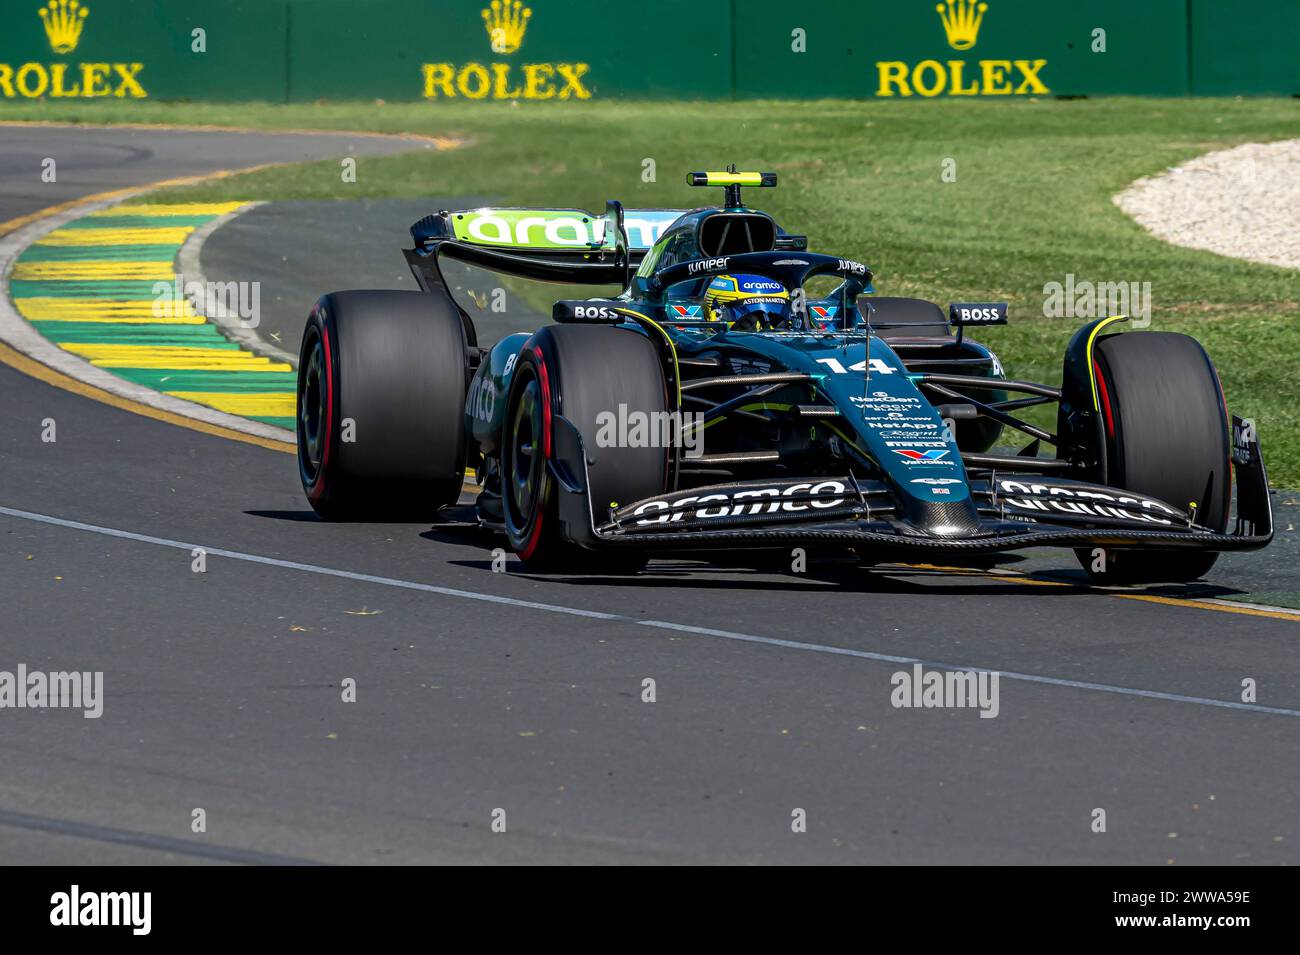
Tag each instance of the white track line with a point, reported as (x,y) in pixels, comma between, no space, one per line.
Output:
(1249,606)
(655,624)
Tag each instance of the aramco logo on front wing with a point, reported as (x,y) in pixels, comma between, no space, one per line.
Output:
(63,21)
(961,21)
(506,22)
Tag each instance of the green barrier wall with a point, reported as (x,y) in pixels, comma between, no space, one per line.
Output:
(902,49)
(579,50)
(1245,47)
(564,50)
(132,49)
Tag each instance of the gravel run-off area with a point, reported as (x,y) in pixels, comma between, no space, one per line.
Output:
(1243,202)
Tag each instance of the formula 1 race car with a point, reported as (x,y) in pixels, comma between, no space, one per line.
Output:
(717,402)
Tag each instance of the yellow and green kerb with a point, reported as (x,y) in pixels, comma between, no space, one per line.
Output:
(89,287)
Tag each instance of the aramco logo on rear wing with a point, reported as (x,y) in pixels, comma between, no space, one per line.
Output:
(64,21)
(961,21)
(506,22)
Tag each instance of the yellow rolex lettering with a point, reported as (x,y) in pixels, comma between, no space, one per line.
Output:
(1029,70)
(956,67)
(995,77)
(128,86)
(571,73)
(537,81)
(940,78)
(7,80)
(57,89)
(439,76)
(893,73)
(473,81)
(501,85)
(32,79)
(94,79)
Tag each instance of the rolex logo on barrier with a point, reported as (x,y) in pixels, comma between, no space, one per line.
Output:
(961,20)
(506,22)
(64,21)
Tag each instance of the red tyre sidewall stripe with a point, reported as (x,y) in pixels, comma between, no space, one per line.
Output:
(534,539)
(318,486)
(1105,400)
(544,379)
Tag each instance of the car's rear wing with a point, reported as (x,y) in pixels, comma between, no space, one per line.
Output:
(551,245)
(524,230)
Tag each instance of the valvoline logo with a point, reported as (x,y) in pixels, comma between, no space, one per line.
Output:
(932,455)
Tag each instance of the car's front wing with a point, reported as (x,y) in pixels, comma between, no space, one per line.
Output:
(1015,511)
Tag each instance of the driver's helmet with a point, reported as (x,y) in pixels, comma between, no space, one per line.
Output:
(731,290)
(758,313)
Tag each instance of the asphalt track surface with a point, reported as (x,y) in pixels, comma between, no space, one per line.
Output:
(479,691)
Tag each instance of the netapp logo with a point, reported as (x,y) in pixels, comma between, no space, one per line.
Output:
(751,501)
(75,907)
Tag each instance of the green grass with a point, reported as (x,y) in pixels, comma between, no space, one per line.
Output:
(1032,199)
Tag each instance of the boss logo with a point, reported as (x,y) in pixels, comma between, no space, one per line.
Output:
(584,310)
(979,314)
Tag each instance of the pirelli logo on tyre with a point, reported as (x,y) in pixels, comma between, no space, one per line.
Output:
(64,21)
(506,23)
(945,75)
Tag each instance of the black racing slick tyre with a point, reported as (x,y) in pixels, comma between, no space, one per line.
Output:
(1167,435)
(580,372)
(382,377)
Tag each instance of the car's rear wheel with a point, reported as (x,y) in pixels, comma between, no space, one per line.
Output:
(580,372)
(1167,436)
(381,404)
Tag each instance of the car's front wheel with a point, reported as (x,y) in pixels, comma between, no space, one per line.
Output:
(583,372)
(1167,436)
